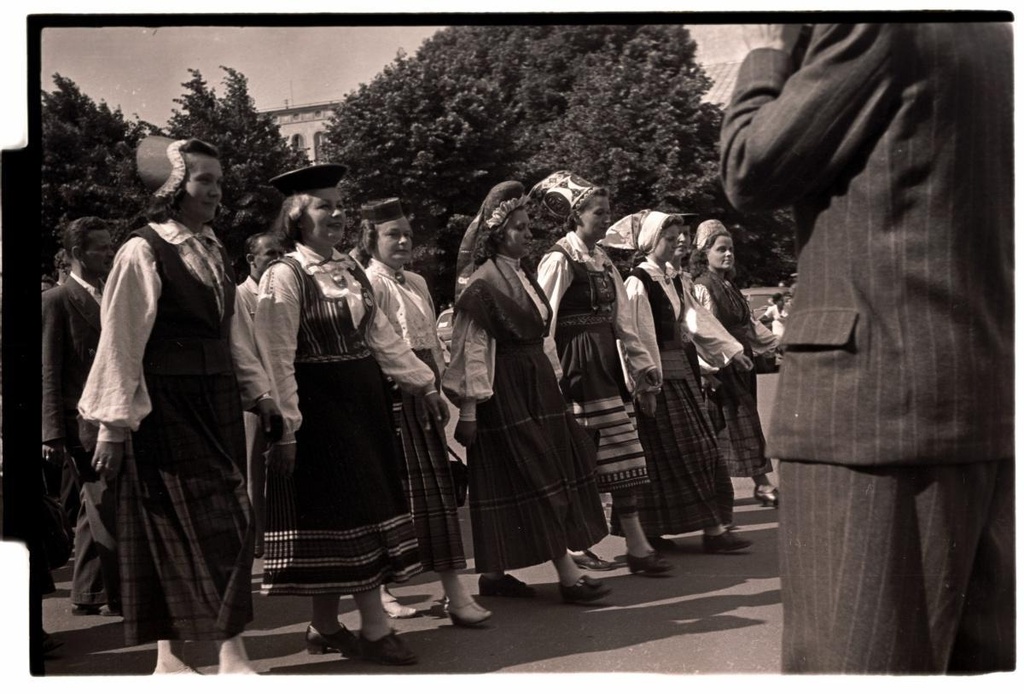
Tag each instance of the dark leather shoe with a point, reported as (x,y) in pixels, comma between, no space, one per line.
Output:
(661,544)
(505,587)
(585,590)
(588,561)
(726,542)
(96,610)
(653,563)
(342,641)
(389,650)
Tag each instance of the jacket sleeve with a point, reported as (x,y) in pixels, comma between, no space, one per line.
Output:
(786,134)
(53,366)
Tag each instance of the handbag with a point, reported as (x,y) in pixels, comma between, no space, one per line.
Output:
(460,476)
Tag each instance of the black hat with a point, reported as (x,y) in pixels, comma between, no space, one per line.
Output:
(380,211)
(309,178)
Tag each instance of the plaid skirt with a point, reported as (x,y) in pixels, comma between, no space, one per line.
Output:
(428,484)
(690,487)
(741,440)
(532,492)
(594,385)
(184,541)
(340,524)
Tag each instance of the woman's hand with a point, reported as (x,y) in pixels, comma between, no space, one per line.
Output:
(743,362)
(435,411)
(107,459)
(648,403)
(281,458)
(465,432)
(271,421)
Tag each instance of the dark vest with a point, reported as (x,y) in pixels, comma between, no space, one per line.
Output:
(189,337)
(665,317)
(590,294)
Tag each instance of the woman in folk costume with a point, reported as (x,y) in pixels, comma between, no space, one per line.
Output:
(590,312)
(690,487)
(742,443)
(385,246)
(338,521)
(531,467)
(172,372)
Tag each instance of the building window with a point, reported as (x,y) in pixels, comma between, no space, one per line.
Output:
(298,144)
(318,144)
(318,114)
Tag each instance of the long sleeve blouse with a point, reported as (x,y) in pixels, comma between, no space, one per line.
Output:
(761,339)
(470,375)
(713,342)
(115,395)
(278,313)
(405,300)
(554,275)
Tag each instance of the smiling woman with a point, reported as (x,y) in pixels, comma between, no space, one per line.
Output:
(338,521)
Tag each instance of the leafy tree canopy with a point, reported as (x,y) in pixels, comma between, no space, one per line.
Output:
(619,105)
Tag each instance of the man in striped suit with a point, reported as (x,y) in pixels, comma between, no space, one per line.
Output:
(895,407)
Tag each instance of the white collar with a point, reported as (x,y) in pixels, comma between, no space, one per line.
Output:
(507,260)
(176,233)
(384,269)
(656,273)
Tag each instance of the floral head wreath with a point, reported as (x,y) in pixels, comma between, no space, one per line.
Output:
(502,211)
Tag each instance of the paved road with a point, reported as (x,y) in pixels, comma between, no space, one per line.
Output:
(713,614)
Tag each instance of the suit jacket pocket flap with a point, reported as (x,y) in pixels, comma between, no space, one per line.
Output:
(820,328)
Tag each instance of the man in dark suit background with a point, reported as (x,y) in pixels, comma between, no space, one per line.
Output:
(71,331)
(895,405)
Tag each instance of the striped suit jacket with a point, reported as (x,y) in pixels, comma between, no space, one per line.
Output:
(894,144)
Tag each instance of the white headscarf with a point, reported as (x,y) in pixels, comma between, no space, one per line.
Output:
(637,232)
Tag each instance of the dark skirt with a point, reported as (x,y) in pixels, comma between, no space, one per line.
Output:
(340,524)
(594,385)
(741,440)
(690,487)
(532,492)
(428,484)
(185,545)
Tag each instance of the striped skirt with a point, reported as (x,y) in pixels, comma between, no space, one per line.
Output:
(340,524)
(690,487)
(742,440)
(594,385)
(184,541)
(532,492)
(428,483)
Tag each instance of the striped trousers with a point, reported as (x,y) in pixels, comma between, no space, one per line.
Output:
(897,569)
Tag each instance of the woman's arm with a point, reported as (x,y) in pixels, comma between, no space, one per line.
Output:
(276,328)
(115,395)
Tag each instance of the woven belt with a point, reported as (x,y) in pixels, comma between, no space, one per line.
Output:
(328,358)
(584,319)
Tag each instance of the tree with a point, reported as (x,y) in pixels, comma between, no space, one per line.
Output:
(251,148)
(618,104)
(88,165)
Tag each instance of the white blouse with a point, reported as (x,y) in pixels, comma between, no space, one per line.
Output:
(470,375)
(713,342)
(554,275)
(278,310)
(115,395)
(408,306)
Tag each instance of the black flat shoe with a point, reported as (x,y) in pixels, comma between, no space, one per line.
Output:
(653,563)
(585,590)
(389,650)
(588,561)
(505,587)
(342,641)
(726,542)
